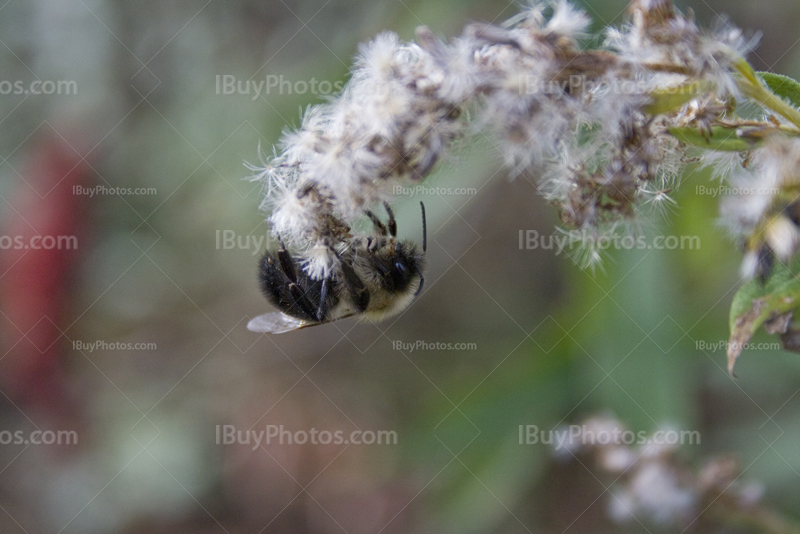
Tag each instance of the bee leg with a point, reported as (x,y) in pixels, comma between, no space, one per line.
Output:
(424,229)
(379,226)
(421,283)
(299,296)
(372,245)
(353,284)
(392,225)
(287,264)
(358,291)
(322,309)
(286,295)
(301,300)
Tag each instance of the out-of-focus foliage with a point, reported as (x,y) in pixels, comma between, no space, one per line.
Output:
(644,339)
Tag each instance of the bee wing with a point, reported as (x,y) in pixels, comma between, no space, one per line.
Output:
(277,323)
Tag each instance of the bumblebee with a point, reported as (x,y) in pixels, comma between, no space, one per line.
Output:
(375,277)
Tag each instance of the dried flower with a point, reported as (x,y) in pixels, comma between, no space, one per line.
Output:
(652,483)
(603,132)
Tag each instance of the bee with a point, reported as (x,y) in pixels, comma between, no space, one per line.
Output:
(774,241)
(374,277)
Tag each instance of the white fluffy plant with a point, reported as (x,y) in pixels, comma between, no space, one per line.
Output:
(603,132)
(653,483)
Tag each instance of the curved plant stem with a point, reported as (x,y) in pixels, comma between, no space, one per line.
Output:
(752,88)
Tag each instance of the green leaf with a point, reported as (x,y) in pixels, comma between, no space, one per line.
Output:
(669,99)
(757,303)
(783,86)
(722,139)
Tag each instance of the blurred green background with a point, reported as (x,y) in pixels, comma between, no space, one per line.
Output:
(554,344)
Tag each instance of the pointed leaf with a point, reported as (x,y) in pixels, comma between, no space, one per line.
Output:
(722,139)
(672,98)
(783,86)
(757,303)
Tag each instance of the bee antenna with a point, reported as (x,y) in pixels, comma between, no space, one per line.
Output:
(424,229)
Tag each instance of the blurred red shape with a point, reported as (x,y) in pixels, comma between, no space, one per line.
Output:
(39,249)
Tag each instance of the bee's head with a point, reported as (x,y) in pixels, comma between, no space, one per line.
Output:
(399,264)
(406,267)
